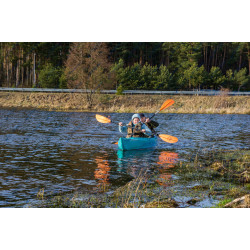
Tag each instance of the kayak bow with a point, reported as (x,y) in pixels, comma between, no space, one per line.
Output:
(136,143)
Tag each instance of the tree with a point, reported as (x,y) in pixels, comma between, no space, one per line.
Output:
(164,79)
(49,76)
(194,76)
(241,78)
(215,77)
(148,76)
(87,67)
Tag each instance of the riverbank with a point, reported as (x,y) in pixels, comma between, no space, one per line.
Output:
(220,179)
(77,102)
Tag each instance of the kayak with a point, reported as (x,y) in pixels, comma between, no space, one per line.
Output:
(136,143)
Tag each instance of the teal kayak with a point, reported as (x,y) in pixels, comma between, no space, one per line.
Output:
(136,143)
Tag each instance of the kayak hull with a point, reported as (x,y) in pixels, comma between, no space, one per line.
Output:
(136,143)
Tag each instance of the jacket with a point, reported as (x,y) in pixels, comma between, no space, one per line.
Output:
(124,129)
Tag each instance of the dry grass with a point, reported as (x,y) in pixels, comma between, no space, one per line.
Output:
(222,104)
(242,202)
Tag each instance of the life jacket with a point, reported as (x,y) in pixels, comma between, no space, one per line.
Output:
(152,125)
(135,130)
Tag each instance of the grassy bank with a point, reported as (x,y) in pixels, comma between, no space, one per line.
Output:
(217,179)
(222,104)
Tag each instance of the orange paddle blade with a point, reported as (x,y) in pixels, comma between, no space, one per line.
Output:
(168,138)
(116,143)
(102,119)
(167,104)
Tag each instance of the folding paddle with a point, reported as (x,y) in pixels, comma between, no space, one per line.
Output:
(164,137)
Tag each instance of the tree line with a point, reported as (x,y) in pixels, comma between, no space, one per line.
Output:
(126,65)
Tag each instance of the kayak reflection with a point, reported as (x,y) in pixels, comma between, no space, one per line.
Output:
(134,161)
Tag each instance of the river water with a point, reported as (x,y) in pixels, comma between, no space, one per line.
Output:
(65,151)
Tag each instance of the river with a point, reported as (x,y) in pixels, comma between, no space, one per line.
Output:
(60,152)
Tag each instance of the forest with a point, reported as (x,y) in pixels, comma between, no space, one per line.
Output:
(126,65)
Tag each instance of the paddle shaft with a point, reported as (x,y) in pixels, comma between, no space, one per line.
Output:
(154,114)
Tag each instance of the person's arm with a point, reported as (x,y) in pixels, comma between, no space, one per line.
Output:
(122,129)
(147,130)
(151,123)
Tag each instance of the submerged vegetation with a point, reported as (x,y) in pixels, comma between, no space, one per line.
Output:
(212,180)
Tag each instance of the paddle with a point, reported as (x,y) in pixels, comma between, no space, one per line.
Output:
(102,119)
(168,138)
(165,105)
(164,137)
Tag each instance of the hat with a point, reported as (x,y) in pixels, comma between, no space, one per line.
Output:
(136,116)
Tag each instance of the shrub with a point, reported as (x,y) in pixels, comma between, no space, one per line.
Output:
(63,81)
(119,90)
(164,79)
(49,77)
(241,78)
(215,77)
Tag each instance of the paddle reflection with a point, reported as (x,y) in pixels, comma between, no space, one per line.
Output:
(166,161)
(102,171)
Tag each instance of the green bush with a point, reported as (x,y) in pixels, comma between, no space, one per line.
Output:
(63,81)
(193,76)
(164,79)
(216,78)
(119,90)
(188,76)
(49,77)
(241,78)
(237,79)
(148,76)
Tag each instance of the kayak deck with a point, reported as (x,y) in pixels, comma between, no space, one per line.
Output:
(136,143)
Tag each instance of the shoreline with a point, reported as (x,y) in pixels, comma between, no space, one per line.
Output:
(77,102)
(142,193)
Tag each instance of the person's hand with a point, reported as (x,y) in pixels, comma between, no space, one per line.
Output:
(120,123)
(147,120)
(143,130)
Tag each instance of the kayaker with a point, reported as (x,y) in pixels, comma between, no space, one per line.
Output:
(135,128)
(149,123)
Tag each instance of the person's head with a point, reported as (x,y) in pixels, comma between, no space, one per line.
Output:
(143,118)
(135,118)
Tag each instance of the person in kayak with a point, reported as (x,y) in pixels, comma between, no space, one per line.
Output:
(135,128)
(150,124)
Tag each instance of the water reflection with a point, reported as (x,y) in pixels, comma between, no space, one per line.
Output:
(167,160)
(102,171)
(135,161)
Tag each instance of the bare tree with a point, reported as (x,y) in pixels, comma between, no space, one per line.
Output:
(87,67)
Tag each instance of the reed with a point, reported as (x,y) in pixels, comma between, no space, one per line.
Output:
(222,104)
